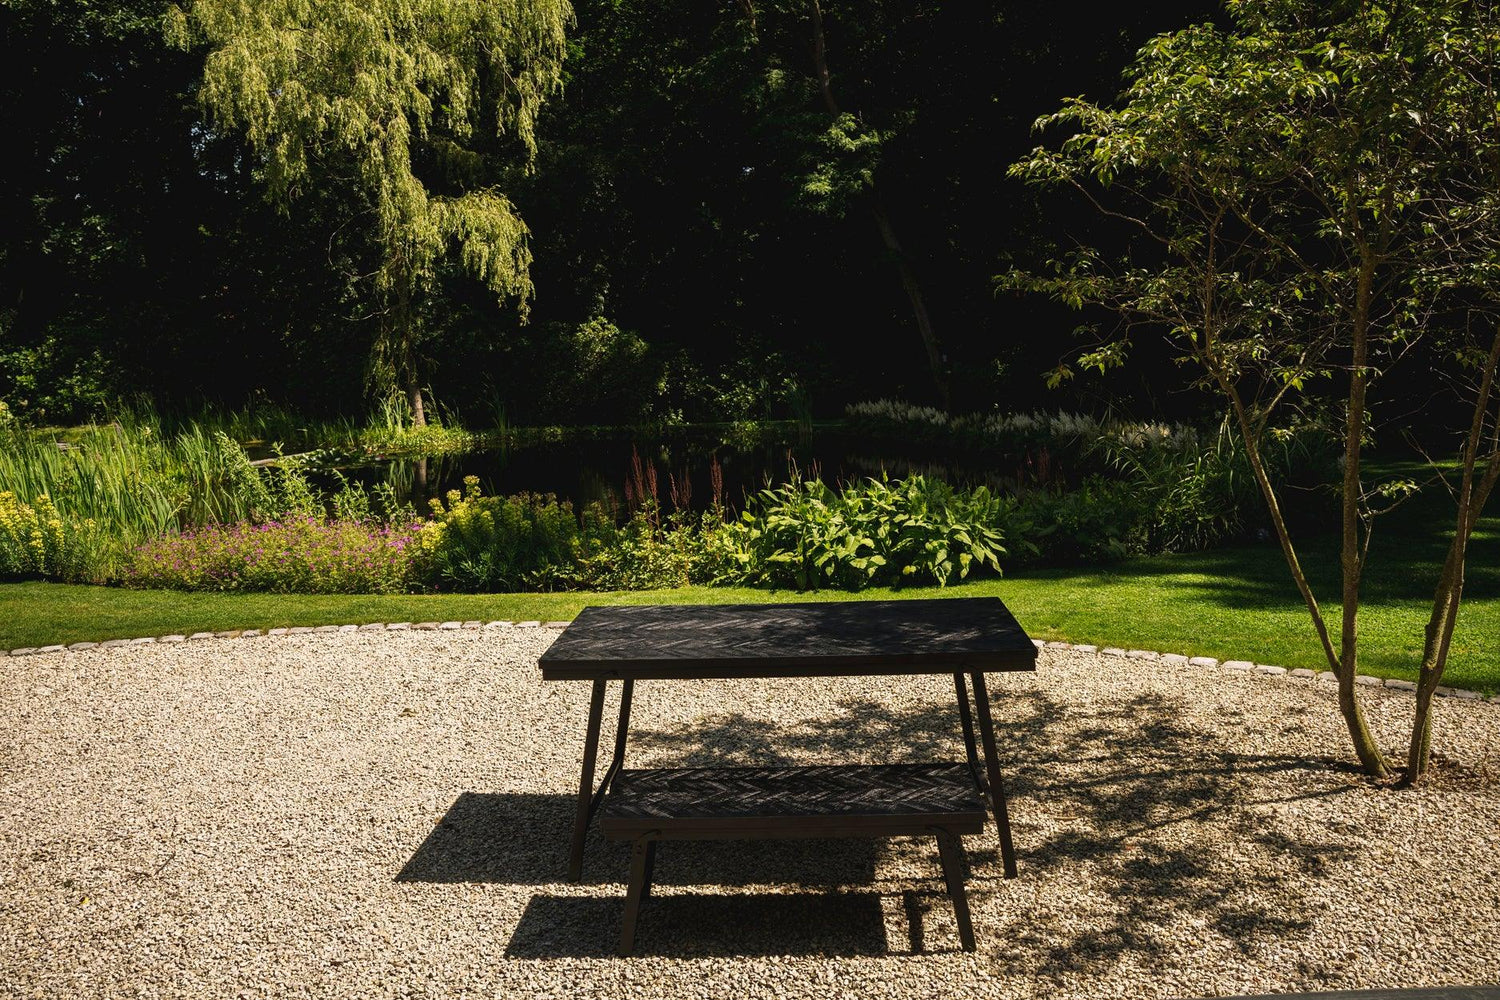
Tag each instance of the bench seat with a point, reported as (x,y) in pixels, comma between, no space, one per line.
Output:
(939,800)
(830,800)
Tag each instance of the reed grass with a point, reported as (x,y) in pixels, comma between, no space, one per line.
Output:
(128,481)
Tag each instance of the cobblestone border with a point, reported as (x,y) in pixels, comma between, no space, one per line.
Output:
(251,633)
(1175,660)
(1263,669)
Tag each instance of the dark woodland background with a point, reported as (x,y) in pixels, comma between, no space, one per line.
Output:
(703,249)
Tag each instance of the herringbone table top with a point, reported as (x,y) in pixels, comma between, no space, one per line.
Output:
(790,640)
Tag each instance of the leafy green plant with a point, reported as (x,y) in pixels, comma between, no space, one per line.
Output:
(807,535)
(36,539)
(131,481)
(1097,522)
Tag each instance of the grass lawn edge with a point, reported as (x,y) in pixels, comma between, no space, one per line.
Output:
(1173,613)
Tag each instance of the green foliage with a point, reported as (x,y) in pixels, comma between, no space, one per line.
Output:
(129,482)
(475,542)
(807,535)
(641,554)
(841,164)
(115,486)
(49,378)
(143,254)
(1098,522)
(596,371)
(1305,187)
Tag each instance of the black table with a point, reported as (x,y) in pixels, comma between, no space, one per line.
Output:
(967,637)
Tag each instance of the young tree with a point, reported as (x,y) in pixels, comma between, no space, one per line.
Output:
(1312,193)
(423,106)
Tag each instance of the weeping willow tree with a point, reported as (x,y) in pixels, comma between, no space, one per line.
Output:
(340,92)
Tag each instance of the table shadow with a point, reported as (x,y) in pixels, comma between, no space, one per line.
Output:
(522,839)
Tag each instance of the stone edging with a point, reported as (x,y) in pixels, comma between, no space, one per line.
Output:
(1263,669)
(251,633)
(1165,659)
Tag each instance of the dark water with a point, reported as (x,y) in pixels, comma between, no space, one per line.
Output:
(606,469)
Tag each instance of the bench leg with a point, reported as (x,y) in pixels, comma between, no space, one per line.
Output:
(992,765)
(650,868)
(642,853)
(951,850)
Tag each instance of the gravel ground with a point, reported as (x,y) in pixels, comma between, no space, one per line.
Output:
(386,814)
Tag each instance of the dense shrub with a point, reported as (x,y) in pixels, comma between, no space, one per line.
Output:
(644,553)
(1097,522)
(1095,489)
(475,542)
(1186,500)
(303,555)
(193,512)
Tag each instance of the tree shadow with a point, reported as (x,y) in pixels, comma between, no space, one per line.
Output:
(1162,816)
(1158,813)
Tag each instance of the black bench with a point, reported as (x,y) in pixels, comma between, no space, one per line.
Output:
(938,800)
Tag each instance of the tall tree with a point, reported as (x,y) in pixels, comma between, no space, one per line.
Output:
(423,107)
(1312,198)
(846,132)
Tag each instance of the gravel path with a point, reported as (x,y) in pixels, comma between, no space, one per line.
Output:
(386,814)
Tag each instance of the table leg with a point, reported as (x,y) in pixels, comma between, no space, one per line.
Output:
(586,781)
(622,728)
(650,868)
(966,717)
(992,765)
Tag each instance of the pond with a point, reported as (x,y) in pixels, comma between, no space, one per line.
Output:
(611,468)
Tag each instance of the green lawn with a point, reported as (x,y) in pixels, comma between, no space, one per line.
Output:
(1235,602)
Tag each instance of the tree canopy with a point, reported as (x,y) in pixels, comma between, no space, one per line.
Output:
(1310,198)
(400,100)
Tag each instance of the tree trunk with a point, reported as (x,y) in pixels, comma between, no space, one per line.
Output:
(414,397)
(1434,655)
(1359,733)
(1352,558)
(918,305)
(1445,602)
(909,283)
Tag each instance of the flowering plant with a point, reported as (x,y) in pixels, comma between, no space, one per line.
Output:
(304,555)
(38,540)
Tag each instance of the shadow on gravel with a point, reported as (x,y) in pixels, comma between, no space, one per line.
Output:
(691,925)
(1170,825)
(522,839)
(1164,819)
